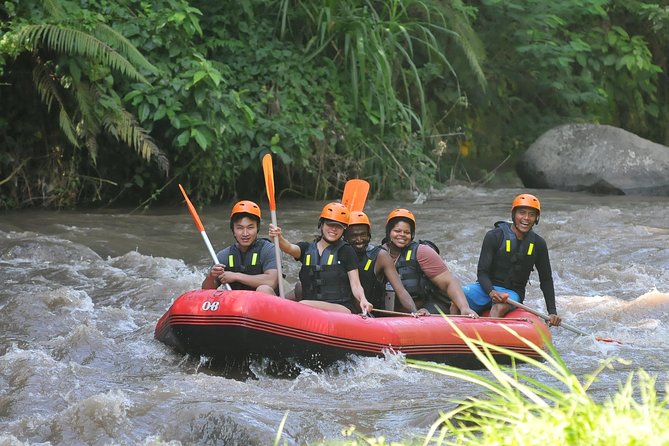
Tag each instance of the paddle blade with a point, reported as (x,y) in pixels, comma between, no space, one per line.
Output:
(191,209)
(355,194)
(268,171)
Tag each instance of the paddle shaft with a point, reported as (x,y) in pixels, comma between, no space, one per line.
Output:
(200,227)
(546,317)
(277,254)
(399,313)
(268,172)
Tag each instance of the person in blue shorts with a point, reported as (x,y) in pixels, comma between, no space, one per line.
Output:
(509,253)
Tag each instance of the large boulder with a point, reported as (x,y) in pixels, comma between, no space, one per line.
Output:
(595,158)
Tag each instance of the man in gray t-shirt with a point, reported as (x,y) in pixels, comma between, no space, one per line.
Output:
(249,263)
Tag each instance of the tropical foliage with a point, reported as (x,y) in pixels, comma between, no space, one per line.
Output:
(535,402)
(114,102)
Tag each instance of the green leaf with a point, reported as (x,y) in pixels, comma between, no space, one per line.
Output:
(183,138)
(200,138)
(143,111)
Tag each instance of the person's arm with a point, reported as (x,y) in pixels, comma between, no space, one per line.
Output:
(430,262)
(212,281)
(385,265)
(450,285)
(289,248)
(349,261)
(543,265)
(269,278)
(358,291)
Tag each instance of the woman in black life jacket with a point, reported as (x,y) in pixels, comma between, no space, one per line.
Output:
(329,275)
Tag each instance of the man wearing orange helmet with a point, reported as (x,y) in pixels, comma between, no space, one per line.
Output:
(509,253)
(421,269)
(249,263)
(375,266)
(329,275)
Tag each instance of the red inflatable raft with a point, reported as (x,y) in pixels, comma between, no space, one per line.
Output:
(233,325)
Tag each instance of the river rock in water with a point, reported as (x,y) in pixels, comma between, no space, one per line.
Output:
(595,158)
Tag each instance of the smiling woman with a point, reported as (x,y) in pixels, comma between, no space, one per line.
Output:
(329,277)
(423,272)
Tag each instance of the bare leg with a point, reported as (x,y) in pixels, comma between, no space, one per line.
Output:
(327,306)
(266,289)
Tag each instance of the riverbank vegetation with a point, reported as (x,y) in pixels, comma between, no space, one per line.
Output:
(519,406)
(115,102)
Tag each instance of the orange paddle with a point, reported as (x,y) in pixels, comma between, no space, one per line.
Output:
(200,227)
(355,194)
(268,171)
(563,324)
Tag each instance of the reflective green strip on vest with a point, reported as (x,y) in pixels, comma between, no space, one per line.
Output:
(530,249)
(368,264)
(330,259)
(408,256)
(307,260)
(508,245)
(254,259)
(231,261)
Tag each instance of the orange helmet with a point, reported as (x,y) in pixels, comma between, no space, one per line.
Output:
(359,218)
(246,207)
(336,212)
(528,201)
(400,213)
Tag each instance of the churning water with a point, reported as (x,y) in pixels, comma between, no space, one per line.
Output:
(82,292)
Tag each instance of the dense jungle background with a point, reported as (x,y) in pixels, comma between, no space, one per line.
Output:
(114,102)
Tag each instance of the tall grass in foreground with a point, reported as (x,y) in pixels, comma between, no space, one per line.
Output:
(517,409)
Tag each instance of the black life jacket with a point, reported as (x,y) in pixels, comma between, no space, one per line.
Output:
(413,278)
(244,262)
(322,276)
(374,288)
(514,261)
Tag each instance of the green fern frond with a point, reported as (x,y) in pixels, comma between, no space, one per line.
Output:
(47,88)
(76,42)
(125,128)
(107,34)
(55,9)
(467,39)
(67,126)
(92,146)
(87,96)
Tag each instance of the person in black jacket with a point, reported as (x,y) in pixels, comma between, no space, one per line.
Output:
(509,253)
